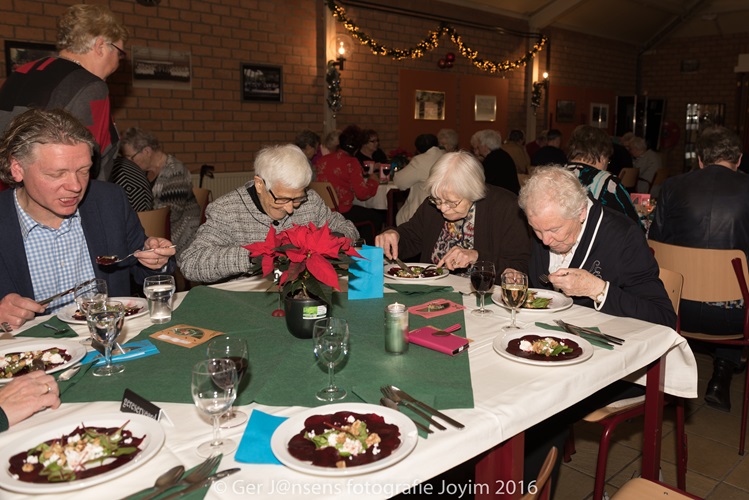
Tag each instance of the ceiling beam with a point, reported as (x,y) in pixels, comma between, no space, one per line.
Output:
(553,11)
(673,24)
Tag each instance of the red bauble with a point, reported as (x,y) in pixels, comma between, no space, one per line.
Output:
(449,64)
(442,63)
(450,58)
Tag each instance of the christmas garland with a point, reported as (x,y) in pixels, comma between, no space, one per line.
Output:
(431,42)
(333,79)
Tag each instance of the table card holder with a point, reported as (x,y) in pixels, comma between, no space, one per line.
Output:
(134,403)
(366,276)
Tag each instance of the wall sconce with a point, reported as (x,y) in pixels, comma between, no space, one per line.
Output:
(343,45)
(538,88)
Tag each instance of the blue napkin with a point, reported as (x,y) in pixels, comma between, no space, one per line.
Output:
(365,275)
(254,448)
(140,349)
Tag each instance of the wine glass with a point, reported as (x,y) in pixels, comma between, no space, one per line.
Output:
(96,291)
(235,350)
(514,293)
(331,339)
(214,389)
(105,320)
(483,276)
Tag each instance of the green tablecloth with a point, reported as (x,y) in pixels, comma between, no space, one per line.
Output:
(283,370)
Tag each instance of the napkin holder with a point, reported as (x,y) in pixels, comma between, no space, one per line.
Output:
(366,278)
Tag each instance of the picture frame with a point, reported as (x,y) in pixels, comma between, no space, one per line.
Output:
(565,111)
(485,108)
(158,68)
(599,115)
(261,82)
(20,53)
(429,105)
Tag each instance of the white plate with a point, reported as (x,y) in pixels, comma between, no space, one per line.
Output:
(66,313)
(445,274)
(559,301)
(139,425)
(76,351)
(502,341)
(294,425)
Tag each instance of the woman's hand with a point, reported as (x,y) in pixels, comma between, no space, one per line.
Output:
(458,258)
(577,283)
(388,241)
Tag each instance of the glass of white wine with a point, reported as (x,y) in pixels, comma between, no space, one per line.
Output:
(514,292)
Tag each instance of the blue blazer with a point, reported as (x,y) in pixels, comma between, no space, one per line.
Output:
(110,226)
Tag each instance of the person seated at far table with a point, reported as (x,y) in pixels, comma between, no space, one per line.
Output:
(551,153)
(133,180)
(277,197)
(463,221)
(515,147)
(448,139)
(55,221)
(414,175)
(25,395)
(589,151)
(648,162)
(499,168)
(369,149)
(309,142)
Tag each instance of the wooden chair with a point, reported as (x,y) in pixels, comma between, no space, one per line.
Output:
(329,196)
(628,177)
(660,177)
(203,196)
(155,222)
(543,484)
(639,489)
(712,276)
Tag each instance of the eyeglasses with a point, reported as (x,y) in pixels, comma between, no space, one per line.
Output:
(121,53)
(294,201)
(135,154)
(438,203)
(374,140)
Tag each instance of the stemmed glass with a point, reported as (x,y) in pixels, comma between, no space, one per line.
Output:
(235,350)
(514,293)
(105,320)
(214,383)
(483,276)
(331,342)
(96,291)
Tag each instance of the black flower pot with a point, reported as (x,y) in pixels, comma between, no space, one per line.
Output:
(301,314)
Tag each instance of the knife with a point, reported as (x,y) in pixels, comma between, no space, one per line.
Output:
(202,484)
(428,408)
(62,294)
(595,340)
(403,266)
(391,404)
(576,330)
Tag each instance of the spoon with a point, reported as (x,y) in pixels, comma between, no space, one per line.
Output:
(163,482)
(58,331)
(108,260)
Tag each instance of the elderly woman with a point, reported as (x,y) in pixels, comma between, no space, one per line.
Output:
(591,253)
(369,149)
(462,221)
(499,167)
(170,184)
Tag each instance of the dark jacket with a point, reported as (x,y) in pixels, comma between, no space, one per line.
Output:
(501,231)
(620,255)
(499,169)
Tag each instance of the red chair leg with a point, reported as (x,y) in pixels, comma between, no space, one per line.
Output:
(742,435)
(569,446)
(603,457)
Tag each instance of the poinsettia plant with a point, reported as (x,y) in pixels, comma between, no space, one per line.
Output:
(310,259)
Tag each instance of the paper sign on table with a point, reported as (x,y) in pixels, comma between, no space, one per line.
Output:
(435,308)
(185,335)
(366,278)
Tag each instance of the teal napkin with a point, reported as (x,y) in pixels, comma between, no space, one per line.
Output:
(590,338)
(39,331)
(254,448)
(418,289)
(138,349)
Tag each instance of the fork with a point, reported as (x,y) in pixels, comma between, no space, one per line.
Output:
(201,472)
(391,394)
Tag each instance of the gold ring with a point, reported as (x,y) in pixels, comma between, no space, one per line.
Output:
(48,388)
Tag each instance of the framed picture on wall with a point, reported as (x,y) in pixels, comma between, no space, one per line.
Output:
(485,108)
(429,105)
(261,82)
(599,115)
(161,68)
(565,111)
(19,53)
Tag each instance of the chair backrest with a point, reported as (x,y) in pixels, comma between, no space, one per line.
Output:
(628,177)
(203,196)
(542,481)
(326,192)
(660,177)
(710,275)
(155,222)
(396,198)
(673,282)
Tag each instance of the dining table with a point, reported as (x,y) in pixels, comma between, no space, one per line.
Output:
(380,200)
(495,397)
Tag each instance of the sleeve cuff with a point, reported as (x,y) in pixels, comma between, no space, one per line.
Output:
(599,305)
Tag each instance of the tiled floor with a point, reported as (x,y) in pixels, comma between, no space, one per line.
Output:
(715,469)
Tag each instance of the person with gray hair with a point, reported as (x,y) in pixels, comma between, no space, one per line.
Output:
(462,221)
(91,44)
(277,196)
(414,175)
(499,167)
(448,140)
(647,161)
(590,252)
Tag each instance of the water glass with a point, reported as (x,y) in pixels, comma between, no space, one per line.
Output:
(214,389)
(159,291)
(105,320)
(331,341)
(96,291)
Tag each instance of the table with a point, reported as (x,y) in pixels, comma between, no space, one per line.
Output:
(506,403)
(380,200)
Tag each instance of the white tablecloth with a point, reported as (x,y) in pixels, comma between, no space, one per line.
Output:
(509,398)
(380,200)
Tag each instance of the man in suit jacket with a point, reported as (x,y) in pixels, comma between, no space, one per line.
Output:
(55,222)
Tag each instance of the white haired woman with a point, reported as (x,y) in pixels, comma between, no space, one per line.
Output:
(462,221)
(499,167)
(591,253)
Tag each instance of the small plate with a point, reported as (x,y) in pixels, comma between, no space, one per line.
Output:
(76,351)
(291,427)
(559,301)
(139,425)
(388,267)
(502,341)
(66,313)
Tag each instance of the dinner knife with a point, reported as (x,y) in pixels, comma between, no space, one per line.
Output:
(403,266)
(202,484)
(577,330)
(391,404)
(62,294)
(595,340)
(428,408)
